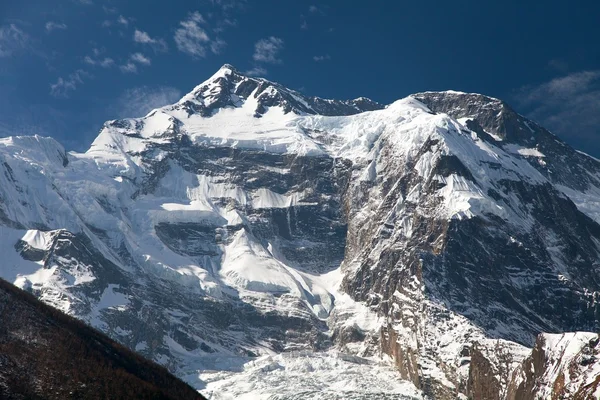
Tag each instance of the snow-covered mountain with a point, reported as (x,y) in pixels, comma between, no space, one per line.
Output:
(264,243)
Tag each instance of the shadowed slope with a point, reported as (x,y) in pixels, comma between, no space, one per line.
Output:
(45,354)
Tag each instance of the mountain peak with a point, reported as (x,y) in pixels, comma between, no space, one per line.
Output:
(228,88)
(487,115)
(228,67)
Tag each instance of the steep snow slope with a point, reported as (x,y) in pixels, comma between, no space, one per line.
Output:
(248,220)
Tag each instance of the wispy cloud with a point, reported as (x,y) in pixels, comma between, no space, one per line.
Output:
(122,20)
(217,45)
(318,10)
(303,23)
(128,67)
(12,39)
(159,45)
(52,26)
(313,10)
(140,59)
(566,105)
(97,60)
(229,5)
(190,37)
(256,71)
(139,101)
(135,59)
(267,50)
(322,58)
(561,88)
(64,86)
(223,24)
(105,62)
(109,10)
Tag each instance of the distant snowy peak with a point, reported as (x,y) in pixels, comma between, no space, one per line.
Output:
(229,88)
(45,150)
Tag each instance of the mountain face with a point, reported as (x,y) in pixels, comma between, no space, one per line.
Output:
(260,242)
(45,354)
(563,366)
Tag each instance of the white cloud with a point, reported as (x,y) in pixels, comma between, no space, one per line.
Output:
(304,24)
(64,86)
(51,26)
(158,45)
(222,25)
(12,39)
(560,88)
(137,102)
(322,58)
(142,37)
(105,62)
(96,60)
(122,20)
(316,10)
(128,67)
(197,17)
(566,105)
(140,58)
(267,50)
(135,59)
(190,37)
(228,5)
(217,45)
(256,71)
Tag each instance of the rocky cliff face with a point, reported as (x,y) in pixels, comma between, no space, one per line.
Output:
(561,366)
(251,234)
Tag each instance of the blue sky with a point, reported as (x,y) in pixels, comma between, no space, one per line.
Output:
(66,66)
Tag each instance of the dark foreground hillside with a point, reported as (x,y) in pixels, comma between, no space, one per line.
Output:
(45,354)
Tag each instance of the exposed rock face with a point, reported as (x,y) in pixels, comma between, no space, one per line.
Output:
(444,231)
(561,366)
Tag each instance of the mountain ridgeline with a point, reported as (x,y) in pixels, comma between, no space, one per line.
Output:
(256,241)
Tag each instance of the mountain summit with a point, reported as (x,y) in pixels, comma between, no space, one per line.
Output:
(258,241)
(229,88)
